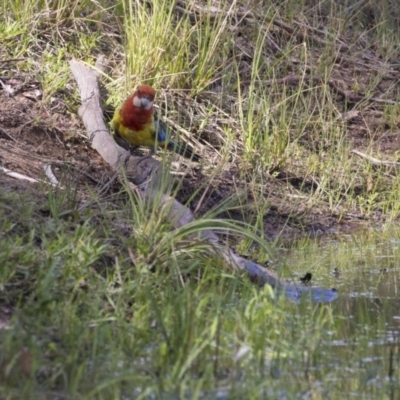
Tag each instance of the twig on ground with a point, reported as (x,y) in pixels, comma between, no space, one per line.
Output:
(7,60)
(5,133)
(17,175)
(374,160)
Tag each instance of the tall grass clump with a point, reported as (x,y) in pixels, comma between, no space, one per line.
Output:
(168,45)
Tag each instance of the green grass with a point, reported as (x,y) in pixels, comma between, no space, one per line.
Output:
(103,316)
(109,301)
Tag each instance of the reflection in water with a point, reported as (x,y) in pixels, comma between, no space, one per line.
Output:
(365,270)
(364,347)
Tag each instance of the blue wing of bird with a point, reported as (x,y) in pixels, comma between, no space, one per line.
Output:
(163,135)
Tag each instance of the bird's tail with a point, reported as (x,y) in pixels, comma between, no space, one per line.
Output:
(184,150)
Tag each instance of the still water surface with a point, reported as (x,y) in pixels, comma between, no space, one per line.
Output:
(363,349)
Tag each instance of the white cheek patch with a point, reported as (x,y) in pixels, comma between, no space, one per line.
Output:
(136,101)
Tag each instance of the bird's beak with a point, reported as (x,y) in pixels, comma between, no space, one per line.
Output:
(143,102)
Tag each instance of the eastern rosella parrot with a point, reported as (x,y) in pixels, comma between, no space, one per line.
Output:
(137,123)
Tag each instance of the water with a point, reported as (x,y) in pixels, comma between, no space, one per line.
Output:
(361,355)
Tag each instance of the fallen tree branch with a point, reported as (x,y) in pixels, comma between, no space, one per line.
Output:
(146,178)
(374,160)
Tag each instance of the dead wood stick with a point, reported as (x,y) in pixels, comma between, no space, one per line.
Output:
(374,160)
(17,175)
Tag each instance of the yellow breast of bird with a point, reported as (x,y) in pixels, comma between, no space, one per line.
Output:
(143,137)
